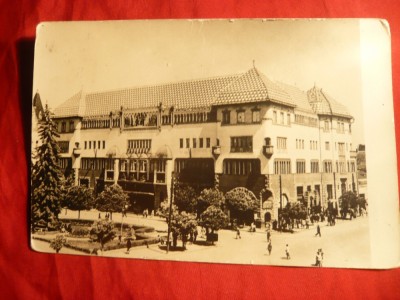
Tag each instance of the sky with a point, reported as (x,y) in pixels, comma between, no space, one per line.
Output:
(99,56)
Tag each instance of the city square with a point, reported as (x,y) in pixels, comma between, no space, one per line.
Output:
(337,242)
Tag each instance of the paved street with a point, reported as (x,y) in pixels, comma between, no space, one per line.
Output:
(346,245)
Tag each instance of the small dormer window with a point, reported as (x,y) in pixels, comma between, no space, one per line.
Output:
(240,116)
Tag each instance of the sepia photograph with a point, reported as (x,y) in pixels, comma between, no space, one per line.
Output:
(220,141)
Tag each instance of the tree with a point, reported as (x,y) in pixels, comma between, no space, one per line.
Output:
(102,232)
(46,175)
(112,199)
(291,212)
(185,197)
(181,225)
(241,204)
(58,243)
(213,218)
(78,198)
(348,203)
(209,197)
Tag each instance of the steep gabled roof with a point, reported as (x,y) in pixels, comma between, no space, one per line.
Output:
(73,107)
(298,97)
(253,86)
(323,104)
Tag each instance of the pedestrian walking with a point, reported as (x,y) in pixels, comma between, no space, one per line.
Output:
(318,231)
(195,235)
(269,247)
(287,251)
(238,233)
(128,246)
(268,235)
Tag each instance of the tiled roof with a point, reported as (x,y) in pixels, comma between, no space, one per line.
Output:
(182,95)
(324,104)
(298,97)
(74,106)
(252,86)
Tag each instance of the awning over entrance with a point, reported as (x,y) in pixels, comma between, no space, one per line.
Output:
(164,152)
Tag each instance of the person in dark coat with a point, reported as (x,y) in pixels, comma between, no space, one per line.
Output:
(318,231)
(269,248)
(128,245)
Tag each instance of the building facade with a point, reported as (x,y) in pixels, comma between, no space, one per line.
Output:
(278,142)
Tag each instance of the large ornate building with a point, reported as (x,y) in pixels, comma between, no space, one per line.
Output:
(278,142)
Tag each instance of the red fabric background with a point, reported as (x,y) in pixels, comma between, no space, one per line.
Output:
(25,274)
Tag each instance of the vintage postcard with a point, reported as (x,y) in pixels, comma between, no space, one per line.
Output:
(266,142)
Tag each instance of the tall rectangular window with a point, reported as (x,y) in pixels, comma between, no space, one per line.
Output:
(94,144)
(300,166)
(327,147)
(314,166)
(85,144)
(282,119)
(274,117)
(288,119)
(187,143)
(256,116)
(281,143)
(104,144)
(71,126)
(98,144)
(180,143)
(63,126)
(90,145)
(226,117)
(326,126)
(208,142)
(200,142)
(194,141)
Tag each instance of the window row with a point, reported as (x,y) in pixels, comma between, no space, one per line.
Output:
(242,167)
(139,144)
(313,145)
(94,144)
(185,118)
(281,118)
(283,166)
(65,126)
(299,144)
(305,120)
(242,144)
(96,123)
(196,143)
(241,116)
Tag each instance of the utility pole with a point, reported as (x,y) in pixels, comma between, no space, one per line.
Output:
(170,211)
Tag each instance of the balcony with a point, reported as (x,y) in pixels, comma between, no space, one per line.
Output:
(268,150)
(216,151)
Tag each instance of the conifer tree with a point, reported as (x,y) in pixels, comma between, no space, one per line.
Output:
(46,175)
